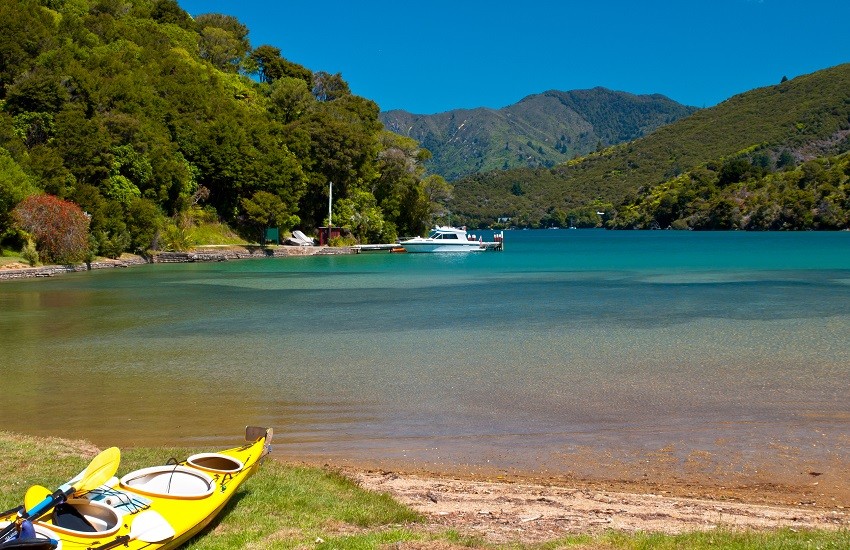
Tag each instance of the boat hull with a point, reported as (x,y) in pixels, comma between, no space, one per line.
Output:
(424,246)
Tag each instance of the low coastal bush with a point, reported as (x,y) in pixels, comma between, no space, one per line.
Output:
(30,254)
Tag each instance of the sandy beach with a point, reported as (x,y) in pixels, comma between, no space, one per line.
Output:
(531,511)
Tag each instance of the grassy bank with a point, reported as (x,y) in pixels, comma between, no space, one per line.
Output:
(282,506)
(286,506)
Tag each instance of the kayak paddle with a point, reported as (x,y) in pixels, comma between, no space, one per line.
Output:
(99,470)
(148,526)
(34,495)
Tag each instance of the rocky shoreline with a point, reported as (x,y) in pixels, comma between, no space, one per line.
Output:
(200,254)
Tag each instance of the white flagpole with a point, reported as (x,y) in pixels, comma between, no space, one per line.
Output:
(330,210)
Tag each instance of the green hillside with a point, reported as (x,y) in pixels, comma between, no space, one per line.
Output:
(542,130)
(150,120)
(773,128)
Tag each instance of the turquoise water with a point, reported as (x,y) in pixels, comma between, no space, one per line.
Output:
(570,352)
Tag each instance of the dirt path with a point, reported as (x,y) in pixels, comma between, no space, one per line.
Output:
(528,512)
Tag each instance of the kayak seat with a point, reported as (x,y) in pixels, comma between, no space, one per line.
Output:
(84,518)
(68,517)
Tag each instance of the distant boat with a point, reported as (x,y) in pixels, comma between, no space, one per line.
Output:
(443,239)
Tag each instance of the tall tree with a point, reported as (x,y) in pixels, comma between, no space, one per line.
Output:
(224,40)
(264,210)
(328,87)
(272,66)
(289,99)
(170,12)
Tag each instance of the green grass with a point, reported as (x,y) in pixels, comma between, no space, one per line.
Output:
(286,506)
(214,233)
(8,256)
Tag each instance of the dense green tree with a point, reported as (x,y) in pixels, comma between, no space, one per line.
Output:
(359,213)
(734,171)
(271,66)
(402,190)
(224,40)
(35,91)
(438,193)
(35,128)
(343,148)
(84,145)
(130,109)
(173,179)
(264,210)
(47,167)
(169,11)
(721,213)
(328,87)
(15,186)
(267,59)
(144,221)
(28,30)
(785,160)
(289,99)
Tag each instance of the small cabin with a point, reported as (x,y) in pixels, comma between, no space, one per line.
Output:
(324,237)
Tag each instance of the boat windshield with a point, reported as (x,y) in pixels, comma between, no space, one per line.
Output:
(438,234)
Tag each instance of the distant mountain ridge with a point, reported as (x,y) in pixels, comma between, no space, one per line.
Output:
(541,130)
(770,158)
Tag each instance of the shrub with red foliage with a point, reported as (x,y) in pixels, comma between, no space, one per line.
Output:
(60,228)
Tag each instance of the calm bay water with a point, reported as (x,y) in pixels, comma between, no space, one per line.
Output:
(569,352)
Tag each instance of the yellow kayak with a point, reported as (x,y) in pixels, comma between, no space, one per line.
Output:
(157,507)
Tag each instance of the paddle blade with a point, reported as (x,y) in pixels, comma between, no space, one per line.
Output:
(99,470)
(35,495)
(150,526)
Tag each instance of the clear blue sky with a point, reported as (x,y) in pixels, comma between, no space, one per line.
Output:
(433,56)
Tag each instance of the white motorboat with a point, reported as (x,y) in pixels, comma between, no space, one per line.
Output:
(443,239)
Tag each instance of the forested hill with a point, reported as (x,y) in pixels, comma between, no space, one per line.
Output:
(745,163)
(540,130)
(149,120)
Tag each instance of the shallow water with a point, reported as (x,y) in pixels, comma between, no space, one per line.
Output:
(568,352)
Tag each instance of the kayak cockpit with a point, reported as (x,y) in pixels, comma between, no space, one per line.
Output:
(85,518)
(169,481)
(215,462)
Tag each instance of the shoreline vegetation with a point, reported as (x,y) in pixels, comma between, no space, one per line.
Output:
(290,505)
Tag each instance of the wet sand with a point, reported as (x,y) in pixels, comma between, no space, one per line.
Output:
(655,494)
